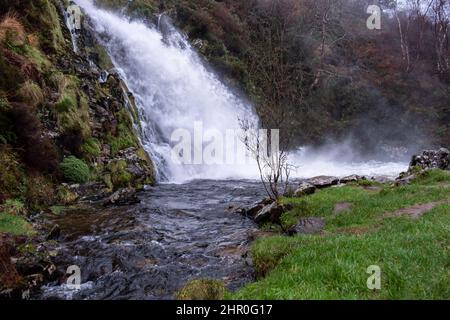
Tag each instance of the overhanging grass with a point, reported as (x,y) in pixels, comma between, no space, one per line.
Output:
(413,254)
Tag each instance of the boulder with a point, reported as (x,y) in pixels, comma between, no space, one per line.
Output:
(304,189)
(383,179)
(402,181)
(307,226)
(323,181)
(252,211)
(271,213)
(431,159)
(121,197)
(352,178)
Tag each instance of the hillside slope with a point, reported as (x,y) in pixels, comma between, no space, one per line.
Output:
(61,124)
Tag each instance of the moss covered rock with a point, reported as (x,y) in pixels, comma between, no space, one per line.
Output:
(202,289)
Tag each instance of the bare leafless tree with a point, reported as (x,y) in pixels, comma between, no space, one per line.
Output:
(272,161)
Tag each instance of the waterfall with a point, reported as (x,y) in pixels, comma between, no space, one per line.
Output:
(173,89)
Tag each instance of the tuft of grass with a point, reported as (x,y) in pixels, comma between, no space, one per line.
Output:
(12,30)
(91,147)
(413,254)
(31,94)
(66,104)
(13,207)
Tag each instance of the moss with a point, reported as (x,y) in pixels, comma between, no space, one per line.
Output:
(108,182)
(202,289)
(57,209)
(15,225)
(124,140)
(75,170)
(120,177)
(101,57)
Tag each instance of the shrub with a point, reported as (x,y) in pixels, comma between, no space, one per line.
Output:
(75,170)
(37,150)
(71,140)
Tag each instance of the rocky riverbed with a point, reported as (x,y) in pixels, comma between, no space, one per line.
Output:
(151,249)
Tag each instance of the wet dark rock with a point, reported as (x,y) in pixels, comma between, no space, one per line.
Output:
(352,178)
(54,233)
(126,196)
(308,226)
(323,181)
(382,179)
(431,159)
(405,180)
(305,188)
(271,213)
(252,211)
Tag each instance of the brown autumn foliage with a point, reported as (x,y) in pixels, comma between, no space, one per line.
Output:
(12,30)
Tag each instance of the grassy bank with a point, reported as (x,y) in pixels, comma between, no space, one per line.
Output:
(410,246)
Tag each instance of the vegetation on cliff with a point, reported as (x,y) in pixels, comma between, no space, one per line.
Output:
(54,109)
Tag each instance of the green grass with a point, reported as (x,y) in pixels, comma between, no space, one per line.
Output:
(413,254)
(14,224)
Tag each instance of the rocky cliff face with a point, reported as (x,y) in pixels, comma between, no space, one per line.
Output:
(69,132)
(68,125)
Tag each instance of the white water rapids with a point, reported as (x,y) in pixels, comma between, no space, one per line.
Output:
(174,90)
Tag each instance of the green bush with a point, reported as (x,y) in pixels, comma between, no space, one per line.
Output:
(92,147)
(75,170)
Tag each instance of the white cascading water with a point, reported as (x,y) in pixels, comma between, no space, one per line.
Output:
(174,89)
